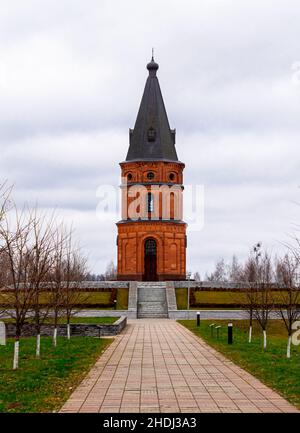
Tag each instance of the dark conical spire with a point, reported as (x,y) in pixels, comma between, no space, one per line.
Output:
(152,139)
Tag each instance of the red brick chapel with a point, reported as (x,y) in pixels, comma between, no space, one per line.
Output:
(152,234)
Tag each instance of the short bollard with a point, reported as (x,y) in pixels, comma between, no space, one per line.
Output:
(218,329)
(230,333)
(198,318)
(212,329)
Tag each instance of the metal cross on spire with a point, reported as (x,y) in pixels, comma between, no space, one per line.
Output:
(152,138)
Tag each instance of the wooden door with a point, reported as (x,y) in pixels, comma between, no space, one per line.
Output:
(150,273)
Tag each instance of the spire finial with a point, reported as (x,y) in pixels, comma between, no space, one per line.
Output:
(152,66)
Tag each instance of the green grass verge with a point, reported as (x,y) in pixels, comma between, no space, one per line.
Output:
(122,299)
(86,298)
(93,320)
(217,298)
(181,298)
(76,319)
(208,297)
(271,367)
(44,385)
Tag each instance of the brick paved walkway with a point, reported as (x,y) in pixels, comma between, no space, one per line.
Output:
(156,365)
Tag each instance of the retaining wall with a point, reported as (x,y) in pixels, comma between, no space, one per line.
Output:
(77,329)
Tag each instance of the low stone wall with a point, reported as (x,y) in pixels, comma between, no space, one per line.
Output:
(94,286)
(107,285)
(208,285)
(77,329)
(213,314)
(207,314)
(109,313)
(216,286)
(88,286)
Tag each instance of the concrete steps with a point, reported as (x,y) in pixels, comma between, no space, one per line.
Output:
(152,300)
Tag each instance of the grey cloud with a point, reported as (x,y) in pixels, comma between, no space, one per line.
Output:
(71,79)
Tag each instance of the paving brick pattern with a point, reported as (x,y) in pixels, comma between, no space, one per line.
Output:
(156,365)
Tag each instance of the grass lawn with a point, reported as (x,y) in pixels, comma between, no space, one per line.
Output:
(122,299)
(271,367)
(181,298)
(104,298)
(217,298)
(44,385)
(87,298)
(208,297)
(92,320)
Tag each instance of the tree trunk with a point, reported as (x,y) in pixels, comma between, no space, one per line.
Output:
(55,328)
(55,337)
(38,345)
(16,354)
(250,334)
(38,329)
(265,339)
(250,325)
(288,350)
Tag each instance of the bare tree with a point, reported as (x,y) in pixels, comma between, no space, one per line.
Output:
(4,278)
(235,270)
(94,277)
(74,271)
(4,268)
(188,275)
(111,271)
(41,258)
(56,277)
(37,258)
(288,297)
(257,276)
(15,237)
(219,274)
(249,293)
(4,274)
(5,201)
(197,276)
(263,301)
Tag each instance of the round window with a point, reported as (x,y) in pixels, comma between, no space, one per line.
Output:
(150,175)
(171,176)
(129,176)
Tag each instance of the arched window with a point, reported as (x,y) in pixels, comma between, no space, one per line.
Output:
(150,202)
(172,205)
(150,247)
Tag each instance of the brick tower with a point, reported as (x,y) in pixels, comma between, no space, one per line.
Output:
(152,235)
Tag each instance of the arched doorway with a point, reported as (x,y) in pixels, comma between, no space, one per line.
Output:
(150,257)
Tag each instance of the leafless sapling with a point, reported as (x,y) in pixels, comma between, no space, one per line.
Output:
(288,295)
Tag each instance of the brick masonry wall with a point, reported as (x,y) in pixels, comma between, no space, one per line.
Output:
(79,330)
(163,224)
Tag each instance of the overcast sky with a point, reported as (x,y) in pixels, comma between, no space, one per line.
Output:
(72,73)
